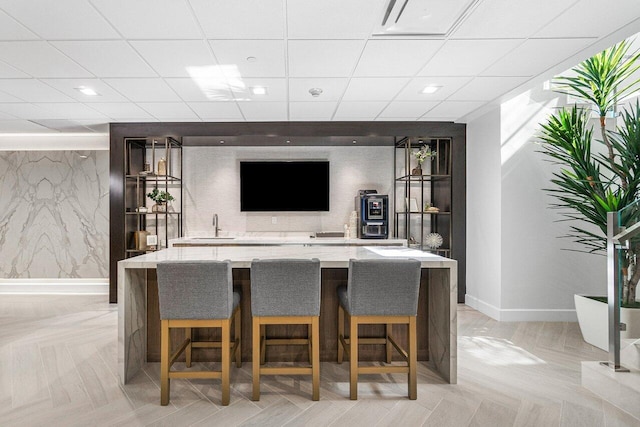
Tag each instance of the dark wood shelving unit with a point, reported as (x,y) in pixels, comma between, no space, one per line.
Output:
(138,182)
(432,185)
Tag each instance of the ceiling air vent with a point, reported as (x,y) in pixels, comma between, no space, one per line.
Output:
(436,18)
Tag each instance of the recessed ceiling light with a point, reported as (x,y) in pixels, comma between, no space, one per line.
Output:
(251,59)
(288,142)
(221,141)
(258,90)
(354,142)
(431,89)
(315,91)
(86,91)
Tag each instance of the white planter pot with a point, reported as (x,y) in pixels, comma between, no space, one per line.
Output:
(593,317)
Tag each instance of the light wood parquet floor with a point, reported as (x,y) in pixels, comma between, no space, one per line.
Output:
(58,368)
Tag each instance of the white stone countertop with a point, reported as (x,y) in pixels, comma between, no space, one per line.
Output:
(330,256)
(248,240)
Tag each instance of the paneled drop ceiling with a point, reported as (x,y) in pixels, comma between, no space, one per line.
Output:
(202,60)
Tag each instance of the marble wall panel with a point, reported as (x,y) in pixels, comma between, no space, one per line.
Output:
(54,214)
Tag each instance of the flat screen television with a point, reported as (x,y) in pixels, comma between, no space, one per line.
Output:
(284,186)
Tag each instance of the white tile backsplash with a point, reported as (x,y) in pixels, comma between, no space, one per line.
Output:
(212,185)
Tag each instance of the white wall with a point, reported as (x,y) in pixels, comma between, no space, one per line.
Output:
(484,214)
(212,185)
(535,275)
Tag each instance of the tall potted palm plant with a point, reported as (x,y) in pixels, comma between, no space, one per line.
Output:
(602,174)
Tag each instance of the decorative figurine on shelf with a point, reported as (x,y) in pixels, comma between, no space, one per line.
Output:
(430,209)
(162,166)
(161,198)
(421,155)
(433,240)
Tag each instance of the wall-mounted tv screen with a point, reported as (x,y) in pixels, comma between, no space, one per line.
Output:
(284,186)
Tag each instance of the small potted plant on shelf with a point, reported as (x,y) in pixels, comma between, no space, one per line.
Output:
(421,155)
(161,198)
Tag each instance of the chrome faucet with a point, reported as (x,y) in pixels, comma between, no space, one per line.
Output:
(215,224)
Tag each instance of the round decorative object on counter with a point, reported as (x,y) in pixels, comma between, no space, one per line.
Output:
(433,240)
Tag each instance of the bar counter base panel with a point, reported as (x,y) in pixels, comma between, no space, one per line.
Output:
(138,320)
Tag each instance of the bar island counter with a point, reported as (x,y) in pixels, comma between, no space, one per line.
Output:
(138,320)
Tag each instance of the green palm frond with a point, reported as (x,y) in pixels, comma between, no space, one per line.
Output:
(603,79)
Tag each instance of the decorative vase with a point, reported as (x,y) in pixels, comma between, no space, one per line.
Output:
(162,166)
(417,170)
(159,207)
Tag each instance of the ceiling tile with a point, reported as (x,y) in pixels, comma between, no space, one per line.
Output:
(373,89)
(71,111)
(535,56)
(312,110)
(40,59)
(508,18)
(98,57)
(29,111)
(121,110)
(223,19)
(467,57)
(68,19)
(169,110)
(455,109)
(365,110)
(201,90)
(183,54)
(395,57)
(94,125)
(323,58)
(448,85)
(276,90)
(10,29)
(580,20)
(263,111)
(68,87)
(413,109)
(9,72)
(487,88)
(5,97)
(32,90)
(143,90)
(332,19)
(332,89)
(62,125)
(268,56)
(217,110)
(21,126)
(5,116)
(150,19)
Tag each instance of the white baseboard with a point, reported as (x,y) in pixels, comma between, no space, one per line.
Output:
(521,314)
(55,286)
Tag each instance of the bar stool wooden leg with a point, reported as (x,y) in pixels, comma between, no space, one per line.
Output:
(263,344)
(255,359)
(353,357)
(238,337)
(226,360)
(188,334)
(387,333)
(309,346)
(340,333)
(164,362)
(315,363)
(413,359)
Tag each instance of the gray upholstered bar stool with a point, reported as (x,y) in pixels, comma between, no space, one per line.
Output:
(285,291)
(385,292)
(197,294)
